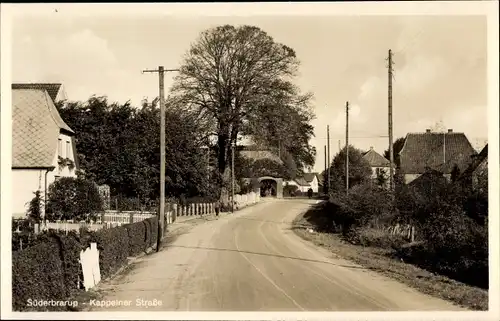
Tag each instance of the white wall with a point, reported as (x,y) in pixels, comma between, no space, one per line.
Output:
(302,189)
(65,152)
(314,185)
(410,177)
(26,181)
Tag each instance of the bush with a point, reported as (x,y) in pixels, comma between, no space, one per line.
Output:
(37,274)
(376,237)
(25,237)
(71,248)
(113,246)
(35,208)
(451,223)
(365,205)
(290,190)
(142,235)
(50,267)
(136,238)
(73,198)
(457,246)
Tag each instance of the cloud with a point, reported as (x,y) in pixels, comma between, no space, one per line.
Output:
(419,73)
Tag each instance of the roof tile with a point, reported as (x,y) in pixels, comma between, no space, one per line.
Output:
(375,159)
(35,128)
(427,150)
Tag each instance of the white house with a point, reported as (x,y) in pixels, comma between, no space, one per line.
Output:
(43,145)
(379,164)
(301,184)
(313,180)
(308,181)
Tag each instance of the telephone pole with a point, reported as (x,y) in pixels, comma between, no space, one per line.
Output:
(324,176)
(391,151)
(232,175)
(161,218)
(347,147)
(339,145)
(328,152)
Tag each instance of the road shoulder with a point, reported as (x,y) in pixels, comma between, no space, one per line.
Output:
(380,260)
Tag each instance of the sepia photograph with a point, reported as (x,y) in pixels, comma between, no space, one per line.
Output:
(251,158)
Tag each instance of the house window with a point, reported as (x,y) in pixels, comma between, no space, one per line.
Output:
(60,148)
(68,149)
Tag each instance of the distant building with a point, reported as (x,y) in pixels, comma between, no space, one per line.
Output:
(302,185)
(43,145)
(269,185)
(313,180)
(476,175)
(437,151)
(379,164)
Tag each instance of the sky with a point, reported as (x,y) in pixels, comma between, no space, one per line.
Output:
(440,66)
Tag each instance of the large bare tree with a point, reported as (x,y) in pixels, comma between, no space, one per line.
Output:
(228,76)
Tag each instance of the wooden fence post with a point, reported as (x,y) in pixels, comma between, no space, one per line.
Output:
(131,217)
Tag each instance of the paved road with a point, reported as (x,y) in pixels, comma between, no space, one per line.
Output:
(252,261)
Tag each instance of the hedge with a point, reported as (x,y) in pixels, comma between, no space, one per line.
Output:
(50,267)
(37,274)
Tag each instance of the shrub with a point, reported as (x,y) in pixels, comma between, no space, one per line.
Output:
(450,222)
(376,237)
(25,237)
(289,190)
(365,205)
(37,274)
(136,238)
(35,208)
(71,248)
(457,246)
(73,198)
(113,246)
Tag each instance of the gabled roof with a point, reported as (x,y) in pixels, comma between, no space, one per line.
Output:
(375,159)
(301,181)
(309,177)
(254,153)
(476,161)
(36,125)
(428,150)
(428,180)
(51,88)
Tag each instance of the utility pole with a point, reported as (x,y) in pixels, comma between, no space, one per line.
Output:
(328,152)
(326,168)
(347,147)
(339,145)
(391,151)
(232,176)
(161,218)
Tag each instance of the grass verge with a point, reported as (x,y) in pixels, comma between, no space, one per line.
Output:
(382,261)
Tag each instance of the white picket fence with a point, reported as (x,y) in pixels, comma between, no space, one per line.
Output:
(110,219)
(241,201)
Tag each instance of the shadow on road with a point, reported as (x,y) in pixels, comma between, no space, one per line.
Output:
(267,254)
(261,220)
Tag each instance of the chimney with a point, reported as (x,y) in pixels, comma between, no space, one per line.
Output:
(371,147)
(450,130)
(427,130)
